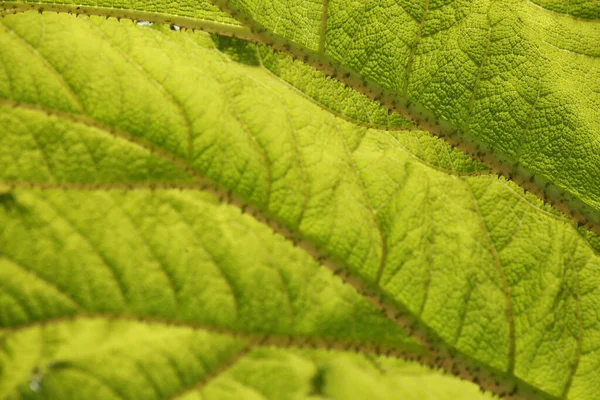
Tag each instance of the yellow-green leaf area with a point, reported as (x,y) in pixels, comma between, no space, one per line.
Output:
(216,197)
(115,358)
(508,81)
(512,83)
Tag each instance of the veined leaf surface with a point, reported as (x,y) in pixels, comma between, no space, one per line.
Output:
(127,154)
(514,83)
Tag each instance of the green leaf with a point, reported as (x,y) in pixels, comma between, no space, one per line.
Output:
(579,8)
(114,359)
(513,83)
(127,155)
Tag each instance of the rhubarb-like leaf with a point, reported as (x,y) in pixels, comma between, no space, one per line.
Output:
(157,192)
(513,83)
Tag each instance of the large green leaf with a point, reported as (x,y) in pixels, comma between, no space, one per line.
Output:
(114,359)
(514,83)
(127,153)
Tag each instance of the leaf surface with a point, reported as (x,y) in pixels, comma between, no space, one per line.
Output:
(515,84)
(127,154)
(115,359)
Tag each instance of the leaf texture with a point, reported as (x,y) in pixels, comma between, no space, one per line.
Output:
(514,83)
(127,155)
(117,359)
(504,80)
